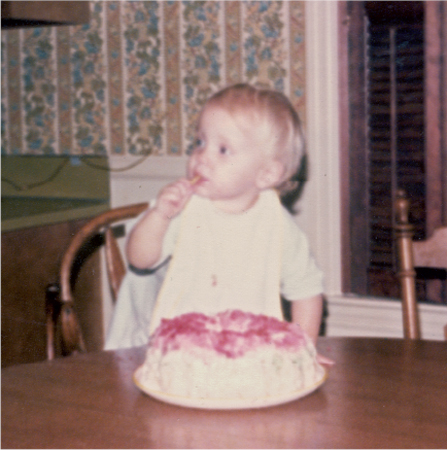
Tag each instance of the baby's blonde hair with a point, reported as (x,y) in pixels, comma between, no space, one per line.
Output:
(273,108)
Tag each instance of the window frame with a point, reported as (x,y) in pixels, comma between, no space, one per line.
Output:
(353,135)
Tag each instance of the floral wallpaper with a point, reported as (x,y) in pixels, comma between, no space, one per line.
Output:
(133,80)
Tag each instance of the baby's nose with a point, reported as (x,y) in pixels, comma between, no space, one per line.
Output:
(202,155)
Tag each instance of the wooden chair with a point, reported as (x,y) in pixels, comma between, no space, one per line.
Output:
(430,253)
(61,319)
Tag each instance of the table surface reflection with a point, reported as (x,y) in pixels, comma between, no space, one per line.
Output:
(382,393)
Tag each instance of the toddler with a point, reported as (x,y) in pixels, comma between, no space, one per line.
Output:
(219,238)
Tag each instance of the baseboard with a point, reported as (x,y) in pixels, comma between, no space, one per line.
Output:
(378,317)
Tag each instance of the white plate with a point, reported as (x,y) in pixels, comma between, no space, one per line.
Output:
(224,403)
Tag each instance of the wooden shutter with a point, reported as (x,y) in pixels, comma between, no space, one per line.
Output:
(395,111)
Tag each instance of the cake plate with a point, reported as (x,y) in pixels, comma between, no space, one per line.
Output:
(225,403)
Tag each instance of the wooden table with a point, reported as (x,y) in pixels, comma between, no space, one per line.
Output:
(382,393)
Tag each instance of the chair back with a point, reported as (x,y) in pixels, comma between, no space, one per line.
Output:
(430,253)
(60,303)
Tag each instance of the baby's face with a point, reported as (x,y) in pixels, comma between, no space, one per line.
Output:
(229,157)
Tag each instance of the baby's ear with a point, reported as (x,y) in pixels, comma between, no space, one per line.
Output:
(270,175)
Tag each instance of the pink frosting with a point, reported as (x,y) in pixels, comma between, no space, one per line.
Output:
(231,333)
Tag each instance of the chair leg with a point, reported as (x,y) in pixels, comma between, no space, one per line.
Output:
(72,341)
(52,308)
(61,316)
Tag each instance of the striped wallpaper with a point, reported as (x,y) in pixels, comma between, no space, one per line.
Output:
(133,80)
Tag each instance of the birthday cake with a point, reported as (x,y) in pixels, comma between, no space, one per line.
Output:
(231,355)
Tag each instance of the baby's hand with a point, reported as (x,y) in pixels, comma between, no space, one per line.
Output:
(173,198)
(324,360)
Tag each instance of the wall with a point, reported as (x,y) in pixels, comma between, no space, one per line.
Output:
(132,81)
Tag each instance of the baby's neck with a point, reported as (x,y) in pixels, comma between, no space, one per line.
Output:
(238,205)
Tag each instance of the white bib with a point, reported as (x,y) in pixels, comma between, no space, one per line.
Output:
(225,261)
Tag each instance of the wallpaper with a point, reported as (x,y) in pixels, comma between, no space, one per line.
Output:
(134,79)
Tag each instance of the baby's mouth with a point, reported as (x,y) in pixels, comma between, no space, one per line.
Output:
(196,179)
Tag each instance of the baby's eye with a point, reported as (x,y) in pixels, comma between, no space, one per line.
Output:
(223,150)
(199,142)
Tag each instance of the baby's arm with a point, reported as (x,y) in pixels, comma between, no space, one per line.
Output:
(145,242)
(307,312)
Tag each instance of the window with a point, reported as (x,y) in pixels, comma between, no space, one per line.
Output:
(394,98)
